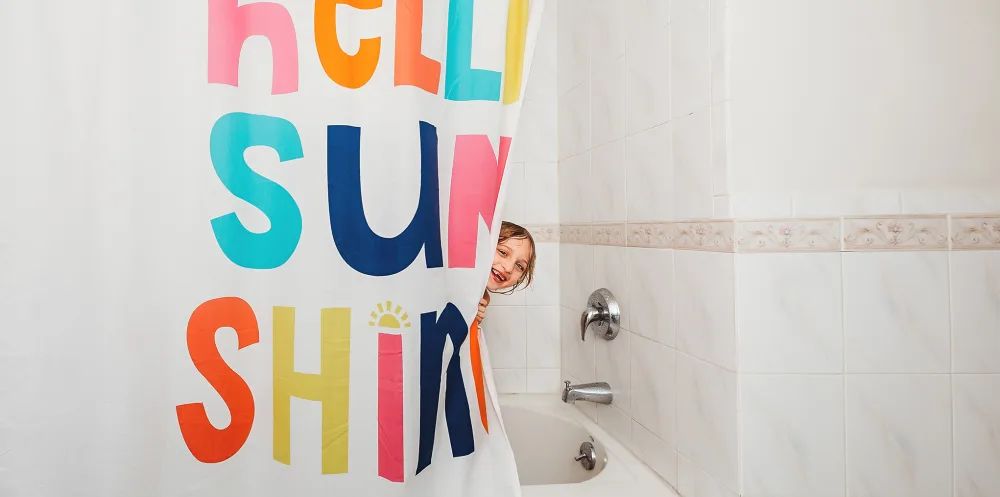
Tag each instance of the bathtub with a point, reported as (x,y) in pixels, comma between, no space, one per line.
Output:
(546,434)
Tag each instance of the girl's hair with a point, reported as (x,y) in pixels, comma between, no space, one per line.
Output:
(511,231)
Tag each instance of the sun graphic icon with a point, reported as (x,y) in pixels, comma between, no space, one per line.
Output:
(387,317)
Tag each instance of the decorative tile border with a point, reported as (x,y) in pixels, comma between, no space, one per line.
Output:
(789,235)
(886,233)
(714,236)
(649,235)
(609,234)
(580,234)
(975,232)
(844,234)
(544,233)
(710,236)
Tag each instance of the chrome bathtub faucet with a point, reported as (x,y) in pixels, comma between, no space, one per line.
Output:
(599,392)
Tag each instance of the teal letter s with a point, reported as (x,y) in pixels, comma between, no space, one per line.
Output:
(231,135)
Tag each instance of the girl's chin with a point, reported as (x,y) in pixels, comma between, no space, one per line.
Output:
(493,286)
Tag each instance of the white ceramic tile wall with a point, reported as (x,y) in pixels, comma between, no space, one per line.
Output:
(831,368)
(870,373)
(817,104)
(866,202)
(522,329)
(675,404)
(637,142)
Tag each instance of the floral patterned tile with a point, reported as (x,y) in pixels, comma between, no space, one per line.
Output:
(649,235)
(849,234)
(580,234)
(975,232)
(610,234)
(900,233)
(788,235)
(544,233)
(716,236)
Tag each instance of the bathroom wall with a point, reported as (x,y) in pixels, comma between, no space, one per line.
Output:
(868,354)
(799,210)
(864,105)
(522,329)
(863,152)
(639,89)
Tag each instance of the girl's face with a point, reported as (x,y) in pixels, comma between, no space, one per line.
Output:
(509,263)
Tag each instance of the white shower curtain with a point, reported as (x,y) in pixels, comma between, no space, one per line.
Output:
(242,244)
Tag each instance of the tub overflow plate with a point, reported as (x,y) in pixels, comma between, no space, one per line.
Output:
(587,456)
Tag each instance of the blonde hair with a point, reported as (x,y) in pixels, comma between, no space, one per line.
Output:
(511,231)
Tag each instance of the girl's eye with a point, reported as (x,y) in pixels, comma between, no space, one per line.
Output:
(503,253)
(520,267)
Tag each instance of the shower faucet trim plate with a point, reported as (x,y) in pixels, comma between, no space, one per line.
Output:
(602,315)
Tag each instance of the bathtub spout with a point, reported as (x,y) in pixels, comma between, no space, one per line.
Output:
(599,392)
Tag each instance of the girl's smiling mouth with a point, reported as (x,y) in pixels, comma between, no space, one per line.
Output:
(498,276)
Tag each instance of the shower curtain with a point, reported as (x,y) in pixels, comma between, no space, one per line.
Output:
(242,244)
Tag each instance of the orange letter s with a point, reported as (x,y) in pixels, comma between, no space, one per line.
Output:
(207,443)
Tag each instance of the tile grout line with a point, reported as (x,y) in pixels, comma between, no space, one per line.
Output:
(951,355)
(843,355)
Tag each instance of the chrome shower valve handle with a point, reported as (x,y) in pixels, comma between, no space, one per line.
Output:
(602,315)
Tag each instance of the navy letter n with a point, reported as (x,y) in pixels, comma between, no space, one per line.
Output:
(433,332)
